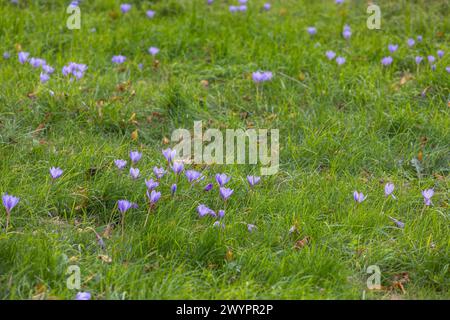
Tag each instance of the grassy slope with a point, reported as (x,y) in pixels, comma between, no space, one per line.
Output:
(341,129)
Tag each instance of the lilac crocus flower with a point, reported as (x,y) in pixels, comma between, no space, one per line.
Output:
(83,296)
(419,59)
(218,224)
(55,173)
(221,214)
(177,167)
(347,32)
(153,196)
(36,62)
(427,194)
(433,67)
(9,202)
(440,53)
(339,1)
(242,1)
(135,156)
(233,9)
(393,47)
(124,205)
(398,222)
(388,189)
(419,38)
(151,184)
(192,175)
(386,61)
(6,55)
(267,6)
(311,30)
(204,210)
(253,180)
(359,197)
(118,59)
(340,60)
(48,69)
(330,54)
(23,57)
(150,14)
(208,187)
(222,179)
(120,163)
(411,42)
(447,69)
(134,173)
(153,51)
(225,193)
(125,7)
(210,1)
(43,77)
(250,227)
(76,69)
(169,154)
(173,189)
(159,172)
(431,59)
(261,76)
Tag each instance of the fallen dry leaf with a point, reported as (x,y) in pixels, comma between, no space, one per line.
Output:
(302,243)
(105,258)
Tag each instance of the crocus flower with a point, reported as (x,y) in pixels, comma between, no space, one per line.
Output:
(208,187)
(359,197)
(150,13)
(431,59)
(433,67)
(250,227)
(447,69)
(125,7)
(388,189)
(393,47)
(411,42)
(118,59)
(36,62)
(204,210)
(173,189)
(169,154)
(267,6)
(221,214)
(135,156)
(9,202)
(222,179)
(419,38)
(159,172)
(23,57)
(153,196)
(210,1)
(253,180)
(340,60)
(427,194)
(134,173)
(398,222)
(261,76)
(330,54)
(225,193)
(177,167)
(124,205)
(48,69)
(311,30)
(347,32)
(76,69)
(192,175)
(242,1)
(55,173)
(419,59)
(83,296)
(233,8)
(120,163)
(219,224)
(153,51)
(43,77)
(440,53)
(339,1)
(151,184)
(386,61)
(242,8)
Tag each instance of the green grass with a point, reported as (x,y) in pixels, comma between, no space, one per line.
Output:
(344,128)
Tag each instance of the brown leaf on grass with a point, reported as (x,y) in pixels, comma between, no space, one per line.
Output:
(40,292)
(108,231)
(399,281)
(156,64)
(135,135)
(124,86)
(31,95)
(405,78)
(300,244)
(113,14)
(165,140)
(420,155)
(229,255)
(105,258)
(204,83)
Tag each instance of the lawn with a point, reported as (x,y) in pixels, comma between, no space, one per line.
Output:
(344,126)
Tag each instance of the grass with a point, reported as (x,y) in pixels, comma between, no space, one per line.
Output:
(353,127)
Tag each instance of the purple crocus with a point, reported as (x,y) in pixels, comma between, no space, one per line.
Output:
(340,60)
(388,189)
(242,1)
(125,7)
(177,167)
(153,196)
(311,30)
(135,156)
(419,59)
(37,62)
(431,59)
(204,211)
(83,296)
(225,193)
(242,8)
(219,224)
(169,154)
(250,227)
(118,59)
(221,214)
(76,69)
(347,32)
(419,38)
(134,173)
(387,61)
(392,47)
(233,9)
(150,14)
(208,187)
(261,76)
(440,53)
(267,6)
(339,1)
(173,189)
(192,175)
(222,179)
(153,51)
(9,202)
(43,77)
(359,196)
(120,163)
(411,42)
(124,205)
(6,55)
(330,54)
(433,67)
(151,184)
(159,172)
(427,194)
(253,180)
(23,57)
(48,69)
(447,69)
(398,222)
(55,173)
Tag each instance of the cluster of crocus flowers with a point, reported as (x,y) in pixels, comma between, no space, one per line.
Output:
(119,59)
(387,61)
(330,54)
(359,196)
(83,296)
(427,194)
(9,202)
(47,70)
(75,69)
(347,32)
(240,8)
(262,76)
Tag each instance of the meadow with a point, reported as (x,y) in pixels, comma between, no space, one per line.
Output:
(357,109)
